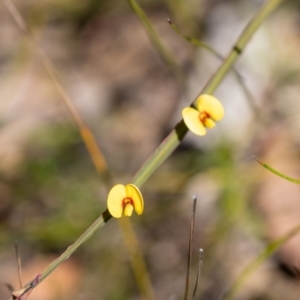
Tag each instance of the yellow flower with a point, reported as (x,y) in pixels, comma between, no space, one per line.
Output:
(209,109)
(123,199)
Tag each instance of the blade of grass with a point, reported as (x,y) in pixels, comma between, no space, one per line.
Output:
(163,51)
(171,142)
(199,272)
(278,173)
(262,257)
(188,273)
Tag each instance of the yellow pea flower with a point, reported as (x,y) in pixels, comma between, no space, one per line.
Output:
(209,109)
(122,200)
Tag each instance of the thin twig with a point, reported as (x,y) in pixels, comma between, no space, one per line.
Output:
(199,272)
(156,41)
(18,256)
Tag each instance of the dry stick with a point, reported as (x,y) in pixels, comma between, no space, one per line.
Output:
(86,134)
(136,258)
(172,141)
(187,281)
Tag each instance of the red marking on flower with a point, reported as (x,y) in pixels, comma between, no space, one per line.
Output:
(127,200)
(203,116)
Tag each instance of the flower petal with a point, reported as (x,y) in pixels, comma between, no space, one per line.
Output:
(128,210)
(209,123)
(210,105)
(192,121)
(114,200)
(134,193)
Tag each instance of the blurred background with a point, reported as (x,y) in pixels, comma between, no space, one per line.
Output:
(131,99)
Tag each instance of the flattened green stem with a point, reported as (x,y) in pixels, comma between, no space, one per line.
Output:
(239,77)
(100,222)
(162,152)
(262,257)
(172,141)
(278,173)
(239,46)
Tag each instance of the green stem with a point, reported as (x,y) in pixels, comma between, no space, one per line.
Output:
(240,45)
(210,49)
(100,222)
(162,152)
(163,51)
(172,141)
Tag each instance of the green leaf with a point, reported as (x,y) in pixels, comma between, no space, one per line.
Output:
(278,173)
